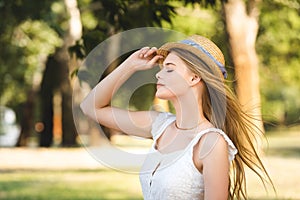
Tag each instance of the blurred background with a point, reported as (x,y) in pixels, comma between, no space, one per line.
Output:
(43,44)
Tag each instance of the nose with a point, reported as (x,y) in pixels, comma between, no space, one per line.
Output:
(157,75)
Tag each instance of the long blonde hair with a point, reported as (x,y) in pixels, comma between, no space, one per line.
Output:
(222,109)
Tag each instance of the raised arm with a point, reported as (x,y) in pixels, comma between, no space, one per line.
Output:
(96,104)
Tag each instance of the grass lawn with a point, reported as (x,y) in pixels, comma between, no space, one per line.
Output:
(282,159)
(68,184)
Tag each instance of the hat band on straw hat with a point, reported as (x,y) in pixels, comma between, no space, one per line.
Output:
(193,44)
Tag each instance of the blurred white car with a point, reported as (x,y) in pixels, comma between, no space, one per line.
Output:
(9,130)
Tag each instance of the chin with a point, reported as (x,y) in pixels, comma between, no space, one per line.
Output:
(164,96)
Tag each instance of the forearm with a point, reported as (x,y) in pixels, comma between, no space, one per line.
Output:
(102,93)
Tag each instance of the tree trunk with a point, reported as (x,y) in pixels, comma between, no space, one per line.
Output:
(56,76)
(46,136)
(49,83)
(74,33)
(27,118)
(242,27)
(68,127)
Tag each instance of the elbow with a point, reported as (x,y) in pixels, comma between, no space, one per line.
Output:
(84,108)
(88,110)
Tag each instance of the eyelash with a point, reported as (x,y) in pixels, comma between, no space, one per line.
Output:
(170,70)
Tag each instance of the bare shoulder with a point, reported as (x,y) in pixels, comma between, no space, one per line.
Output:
(210,149)
(212,143)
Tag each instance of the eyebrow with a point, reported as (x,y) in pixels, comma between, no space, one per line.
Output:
(169,63)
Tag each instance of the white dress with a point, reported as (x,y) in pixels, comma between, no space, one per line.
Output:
(174,175)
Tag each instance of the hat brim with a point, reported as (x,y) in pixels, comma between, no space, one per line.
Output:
(165,49)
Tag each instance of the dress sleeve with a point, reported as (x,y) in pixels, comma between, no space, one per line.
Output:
(232,150)
(160,123)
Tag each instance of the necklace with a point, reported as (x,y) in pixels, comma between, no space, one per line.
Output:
(185,129)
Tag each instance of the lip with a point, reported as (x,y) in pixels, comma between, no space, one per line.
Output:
(158,85)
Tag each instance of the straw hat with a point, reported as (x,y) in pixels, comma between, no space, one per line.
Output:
(200,46)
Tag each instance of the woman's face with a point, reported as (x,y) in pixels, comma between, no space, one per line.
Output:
(174,78)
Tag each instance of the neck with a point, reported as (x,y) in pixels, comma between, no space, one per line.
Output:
(189,112)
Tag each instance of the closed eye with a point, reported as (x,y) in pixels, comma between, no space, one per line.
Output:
(169,67)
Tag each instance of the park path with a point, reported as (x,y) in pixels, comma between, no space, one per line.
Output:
(46,158)
(63,158)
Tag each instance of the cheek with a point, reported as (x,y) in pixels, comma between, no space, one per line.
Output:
(179,88)
(176,86)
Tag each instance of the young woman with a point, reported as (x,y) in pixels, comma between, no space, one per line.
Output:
(210,132)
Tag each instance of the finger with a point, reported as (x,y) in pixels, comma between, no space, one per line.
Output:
(145,48)
(151,52)
(143,51)
(154,60)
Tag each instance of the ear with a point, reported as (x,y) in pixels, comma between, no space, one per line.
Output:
(195,79)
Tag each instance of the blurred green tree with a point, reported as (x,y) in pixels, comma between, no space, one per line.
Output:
(29,24)
(25,43)
(103,18)
(278,47)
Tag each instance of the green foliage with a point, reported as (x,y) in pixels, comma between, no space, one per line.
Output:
(35,40)
(140,98)
(103,18)
(38,41)
(193,20)
(23,44)
(11,74)
(206,3)
(278,46)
